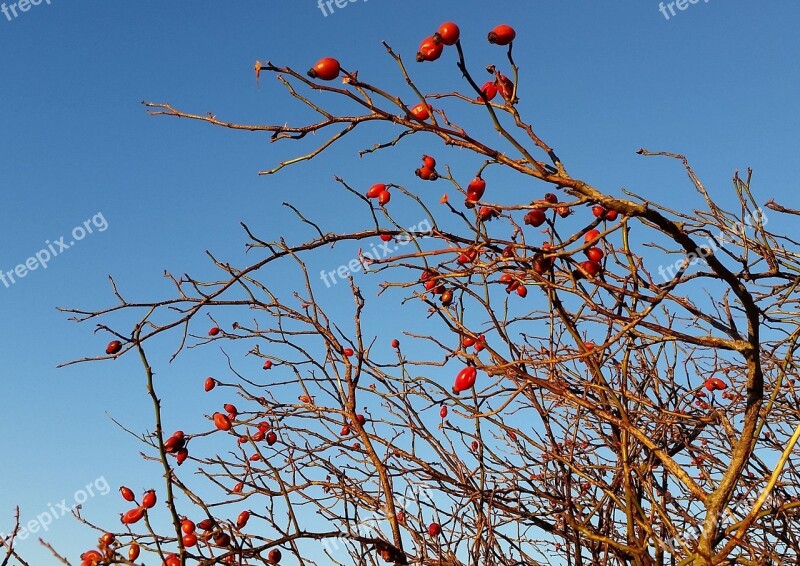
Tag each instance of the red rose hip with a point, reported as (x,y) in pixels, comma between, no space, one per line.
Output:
(502,35)
(448,33)
(325,69)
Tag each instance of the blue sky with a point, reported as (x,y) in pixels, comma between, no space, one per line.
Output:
(718,82)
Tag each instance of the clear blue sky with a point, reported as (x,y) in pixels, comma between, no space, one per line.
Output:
(718,82)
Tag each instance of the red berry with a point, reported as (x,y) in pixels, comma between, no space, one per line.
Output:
(238,488)
(222,421)
(542,264)
(230,409)
(486,213)
(113,347)
(386,237)
(475,189)
(443,412)
(502,35)
(206,524)
(592,268)
(133,516)
(210,383)
(345,431)
(213,331)
(361,419)
(420,112)
(274,556)
(448,33)
(434,529)
(174,443)
(599,211)
(149,499)
(551,198)
(133,551)
(395,343)
(426,173)
(594,254)
(189,540)
(611,215)
(522,291)
(241,520)
(715,384)
(181,456)
(489,90)
(535,217)
(429,50)
(447,297)
(375,190)
(591,236)
(564,211)
(465,379)
(222,539)
(428,161)
(326,69)
(188,526)
(91,556)
(272,438)
(348,352)
(467,256)
(384,198)
(127,494)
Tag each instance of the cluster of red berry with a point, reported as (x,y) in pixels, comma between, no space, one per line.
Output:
(380,192)
(106,545)
(210,534)
(428,170)
(430,49)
